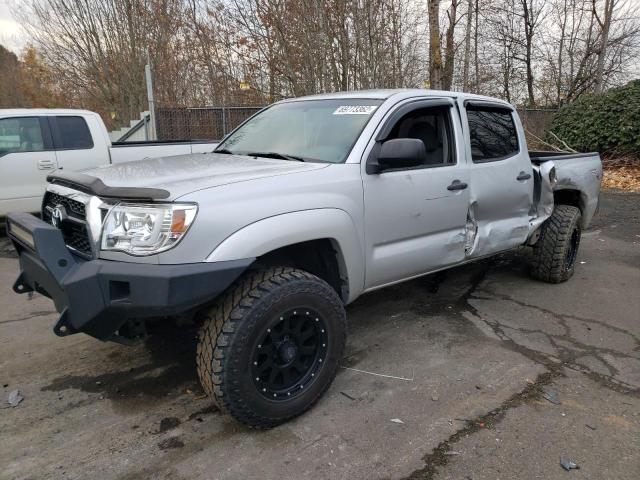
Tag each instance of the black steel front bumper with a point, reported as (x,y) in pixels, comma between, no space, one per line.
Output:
(99,297)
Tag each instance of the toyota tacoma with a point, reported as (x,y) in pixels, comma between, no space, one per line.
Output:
(309,204)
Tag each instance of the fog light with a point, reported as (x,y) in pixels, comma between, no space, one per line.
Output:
(21,234)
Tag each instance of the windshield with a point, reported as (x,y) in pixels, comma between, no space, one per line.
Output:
(321,130)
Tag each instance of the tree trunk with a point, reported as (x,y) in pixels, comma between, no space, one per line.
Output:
(436,73)
(476,80)
(449,57)
(563,28)
(605,26)
(467,47)
(529,24)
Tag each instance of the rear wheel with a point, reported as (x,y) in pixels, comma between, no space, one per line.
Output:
(270,347)
(555,252)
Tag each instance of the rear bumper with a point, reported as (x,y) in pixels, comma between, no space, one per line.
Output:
(99,297)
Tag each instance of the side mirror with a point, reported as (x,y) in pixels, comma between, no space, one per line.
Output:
(399,153)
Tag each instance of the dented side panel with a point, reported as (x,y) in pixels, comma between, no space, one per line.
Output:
(501,199)
(583,174)
(543,194)
(414,226)
(413,222)
(500,206)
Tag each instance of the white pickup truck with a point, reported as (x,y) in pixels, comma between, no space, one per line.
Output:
(34,142)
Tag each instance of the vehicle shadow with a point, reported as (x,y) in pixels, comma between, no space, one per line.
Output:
(138,376)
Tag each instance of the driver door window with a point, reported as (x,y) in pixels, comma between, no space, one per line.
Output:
(433,127)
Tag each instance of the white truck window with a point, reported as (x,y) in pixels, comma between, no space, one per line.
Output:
(20,134)
(73,134)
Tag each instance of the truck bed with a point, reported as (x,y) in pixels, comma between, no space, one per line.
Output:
(576,173)
(538,156)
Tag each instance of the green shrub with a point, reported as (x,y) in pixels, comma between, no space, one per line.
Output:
(608,122)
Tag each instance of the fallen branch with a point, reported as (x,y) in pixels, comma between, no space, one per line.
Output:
(567,147)
(541,141)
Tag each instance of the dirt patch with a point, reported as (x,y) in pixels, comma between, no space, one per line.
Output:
(168,423)
(169,443)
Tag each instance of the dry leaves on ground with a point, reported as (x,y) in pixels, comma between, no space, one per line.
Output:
(622,178)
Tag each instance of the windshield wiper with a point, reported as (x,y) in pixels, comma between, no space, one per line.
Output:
(224,150)
(282,156)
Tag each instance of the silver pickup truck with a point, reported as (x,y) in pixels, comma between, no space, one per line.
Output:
(309,204)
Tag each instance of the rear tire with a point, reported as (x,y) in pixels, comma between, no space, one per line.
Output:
(555,252)
(270,347)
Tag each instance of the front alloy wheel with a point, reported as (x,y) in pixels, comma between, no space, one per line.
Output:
(289,354)
(270,347)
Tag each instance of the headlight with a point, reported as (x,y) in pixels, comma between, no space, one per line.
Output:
(146,229)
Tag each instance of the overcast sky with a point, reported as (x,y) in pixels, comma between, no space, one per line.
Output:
(11,35)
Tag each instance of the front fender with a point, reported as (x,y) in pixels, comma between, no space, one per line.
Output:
(264,236)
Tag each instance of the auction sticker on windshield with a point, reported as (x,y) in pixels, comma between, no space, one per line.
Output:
(355,110)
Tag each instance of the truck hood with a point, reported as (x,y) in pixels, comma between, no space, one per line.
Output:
(182,174)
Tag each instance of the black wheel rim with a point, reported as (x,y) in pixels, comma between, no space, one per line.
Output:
(289,354)
(572,252)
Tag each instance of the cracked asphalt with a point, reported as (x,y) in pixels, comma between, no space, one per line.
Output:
(468,358)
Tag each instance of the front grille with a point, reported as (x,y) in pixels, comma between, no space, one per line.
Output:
(75,236)
(74,208)
(75,233)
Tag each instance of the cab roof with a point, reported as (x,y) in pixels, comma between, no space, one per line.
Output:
(385,94)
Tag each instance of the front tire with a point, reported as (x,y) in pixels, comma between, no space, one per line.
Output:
(270,347)
(555,252)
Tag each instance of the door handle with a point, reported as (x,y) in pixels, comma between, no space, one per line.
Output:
(46,165)
(522,176)
(457,185)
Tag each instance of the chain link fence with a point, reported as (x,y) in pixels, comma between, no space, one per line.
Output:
(213,123)
(200,123)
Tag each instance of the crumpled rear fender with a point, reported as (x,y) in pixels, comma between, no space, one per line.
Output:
(544,198)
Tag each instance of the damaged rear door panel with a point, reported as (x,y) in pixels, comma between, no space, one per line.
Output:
(502,181)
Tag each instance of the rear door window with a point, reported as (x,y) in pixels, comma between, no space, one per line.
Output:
(21,134)
(72,133)
(493,134)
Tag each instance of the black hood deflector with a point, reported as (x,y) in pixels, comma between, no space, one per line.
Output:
(95,186)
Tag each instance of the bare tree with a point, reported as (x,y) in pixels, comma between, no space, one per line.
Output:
(531,14)
(251,52)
